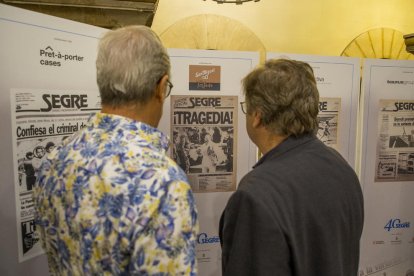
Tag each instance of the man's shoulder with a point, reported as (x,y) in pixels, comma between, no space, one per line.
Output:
(257,182)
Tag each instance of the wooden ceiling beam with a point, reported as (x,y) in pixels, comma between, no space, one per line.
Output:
(99,4)
(102,13)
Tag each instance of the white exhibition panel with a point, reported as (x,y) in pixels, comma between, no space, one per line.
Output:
(38,53)
(338,81)
(387,167)
(233,66)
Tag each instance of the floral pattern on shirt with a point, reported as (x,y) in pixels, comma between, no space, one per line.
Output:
(109,201)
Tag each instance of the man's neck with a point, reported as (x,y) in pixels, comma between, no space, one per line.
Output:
(147,113)
(266,141)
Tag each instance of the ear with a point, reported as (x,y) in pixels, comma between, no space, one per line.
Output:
(257,119)
(161,88)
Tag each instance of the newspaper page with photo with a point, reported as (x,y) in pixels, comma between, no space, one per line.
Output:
(41,120)
(328,118)
(203,132)
(395,144)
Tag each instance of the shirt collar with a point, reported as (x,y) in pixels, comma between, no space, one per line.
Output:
(286,145)
(114,123)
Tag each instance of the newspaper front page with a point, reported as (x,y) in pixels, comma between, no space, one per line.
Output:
(328,118)
(41,120)
(204,136)
(395,144)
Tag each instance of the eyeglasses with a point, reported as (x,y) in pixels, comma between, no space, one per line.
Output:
(243,107)
(169,88)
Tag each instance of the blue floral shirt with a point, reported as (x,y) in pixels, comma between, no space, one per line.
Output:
(109,201)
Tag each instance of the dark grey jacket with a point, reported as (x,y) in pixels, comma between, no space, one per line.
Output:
(299,212)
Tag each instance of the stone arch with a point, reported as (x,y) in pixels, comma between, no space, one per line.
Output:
(212,32)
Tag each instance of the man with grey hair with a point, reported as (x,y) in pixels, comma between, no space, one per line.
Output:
(109,200)
(300,210)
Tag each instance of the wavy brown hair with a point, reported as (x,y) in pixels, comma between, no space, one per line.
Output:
(284,92)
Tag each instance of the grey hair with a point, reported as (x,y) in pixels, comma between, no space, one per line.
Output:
(131,61)
(285,93)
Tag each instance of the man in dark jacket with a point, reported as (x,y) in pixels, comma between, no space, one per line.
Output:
(300,210)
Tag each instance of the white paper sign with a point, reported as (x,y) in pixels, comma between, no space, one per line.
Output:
(205,78)
(387,168)
(38,53)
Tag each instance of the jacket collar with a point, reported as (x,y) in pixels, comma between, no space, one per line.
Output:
(288,144)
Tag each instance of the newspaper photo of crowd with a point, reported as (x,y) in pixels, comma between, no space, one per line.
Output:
(203,149)
(30,159)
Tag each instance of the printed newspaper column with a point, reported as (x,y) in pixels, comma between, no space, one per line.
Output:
(202,131)
(41,120)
